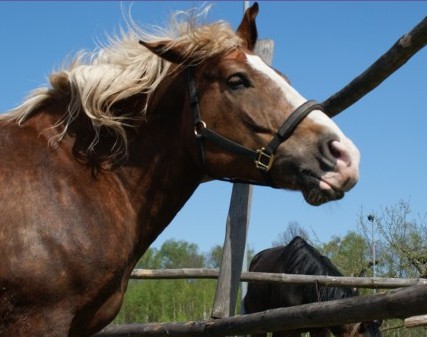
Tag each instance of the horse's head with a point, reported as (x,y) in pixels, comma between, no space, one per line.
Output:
(245,112)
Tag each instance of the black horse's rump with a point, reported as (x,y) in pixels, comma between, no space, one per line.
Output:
(297,257)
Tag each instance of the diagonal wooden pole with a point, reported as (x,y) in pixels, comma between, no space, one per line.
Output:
(403,49)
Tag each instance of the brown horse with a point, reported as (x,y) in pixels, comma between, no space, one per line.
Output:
(298,257)
(95,167)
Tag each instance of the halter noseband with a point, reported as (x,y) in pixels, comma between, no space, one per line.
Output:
(264,156)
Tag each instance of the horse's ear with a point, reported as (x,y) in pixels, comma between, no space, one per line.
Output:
(247,28)
(165,50)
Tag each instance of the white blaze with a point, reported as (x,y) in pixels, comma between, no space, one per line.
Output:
(292,96)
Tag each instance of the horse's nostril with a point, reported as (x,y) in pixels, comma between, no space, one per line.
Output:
(328,155)
(339,151)
(332,152)
(335,152)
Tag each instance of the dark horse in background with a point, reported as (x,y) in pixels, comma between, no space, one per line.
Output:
(95,166)
(298,257)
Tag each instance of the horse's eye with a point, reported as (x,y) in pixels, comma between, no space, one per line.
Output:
(238,81)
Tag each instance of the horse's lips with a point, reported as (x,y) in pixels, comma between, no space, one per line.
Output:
(320,183)
(330,189)
(324,185)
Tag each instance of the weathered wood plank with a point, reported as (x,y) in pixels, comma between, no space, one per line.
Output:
(233,250)
(398,304)
(415,321)
(330,281)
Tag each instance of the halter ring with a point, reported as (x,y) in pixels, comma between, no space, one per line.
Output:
(198,127)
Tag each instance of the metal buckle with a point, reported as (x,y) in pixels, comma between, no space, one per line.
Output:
(264,160)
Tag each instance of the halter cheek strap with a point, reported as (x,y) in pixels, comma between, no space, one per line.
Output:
(262,157)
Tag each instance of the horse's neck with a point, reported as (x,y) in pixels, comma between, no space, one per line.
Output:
(163,169)
(161,173)
(158,187)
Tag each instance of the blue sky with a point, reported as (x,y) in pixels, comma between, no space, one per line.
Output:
(320,46)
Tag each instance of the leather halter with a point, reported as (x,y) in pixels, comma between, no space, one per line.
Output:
(262,157)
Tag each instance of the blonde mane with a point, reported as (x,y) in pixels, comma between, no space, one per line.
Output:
(95,81)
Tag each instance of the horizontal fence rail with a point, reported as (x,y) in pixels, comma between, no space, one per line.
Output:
(399,303)
(329,281)
(415,321)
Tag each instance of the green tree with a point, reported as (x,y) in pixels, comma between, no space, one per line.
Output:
(168,300)
(150,260)
(213,258)
(350,254)
(180,254)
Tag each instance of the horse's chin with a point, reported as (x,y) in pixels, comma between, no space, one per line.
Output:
(317,192)
(319,197)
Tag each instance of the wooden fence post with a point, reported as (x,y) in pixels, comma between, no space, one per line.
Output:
(233,250)
(236,230)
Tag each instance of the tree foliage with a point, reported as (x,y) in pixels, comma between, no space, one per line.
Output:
(213,259)
(350,254)
(168,300)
